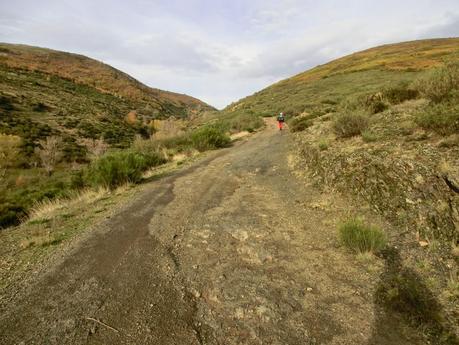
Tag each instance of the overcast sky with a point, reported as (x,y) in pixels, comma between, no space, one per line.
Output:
(220,51)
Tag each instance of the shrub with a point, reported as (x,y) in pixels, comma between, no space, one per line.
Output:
(370,103)
(349,125)
(375,106)
(246,121)
(114,169)
(10,214)
(439,83)
(323,145)
(441,117)
(361,238)
(209,138)
(399,94)
(299,124)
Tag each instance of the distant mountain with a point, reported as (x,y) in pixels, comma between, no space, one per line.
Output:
(43,92)
(319,88)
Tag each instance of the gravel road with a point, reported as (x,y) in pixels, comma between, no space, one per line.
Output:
(234,249)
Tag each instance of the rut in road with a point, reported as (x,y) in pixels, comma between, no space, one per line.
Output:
(234,250)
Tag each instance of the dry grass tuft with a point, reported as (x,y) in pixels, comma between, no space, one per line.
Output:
(47,209)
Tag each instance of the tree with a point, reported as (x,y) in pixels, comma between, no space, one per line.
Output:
(49,153)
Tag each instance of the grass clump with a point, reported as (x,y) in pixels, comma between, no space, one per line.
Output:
(299,124)
(117,168)
(350,124)
(361,238)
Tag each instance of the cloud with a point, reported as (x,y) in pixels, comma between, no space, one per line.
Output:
(220,51)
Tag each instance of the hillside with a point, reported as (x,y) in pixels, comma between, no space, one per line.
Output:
(382,126)
(321,88)
(80,106)
(44,91)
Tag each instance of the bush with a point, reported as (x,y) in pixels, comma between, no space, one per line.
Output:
(114,169)
(11,214)
(369,103)
(439,83)
(242,122)
(376,106)
(209,138)
(441,117)
(299,124)
(399,94)
(361,238)
(323,145)
(349,125)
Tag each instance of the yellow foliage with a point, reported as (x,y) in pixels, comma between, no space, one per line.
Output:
(9,149)
(131,117)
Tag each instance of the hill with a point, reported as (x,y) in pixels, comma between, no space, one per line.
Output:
(382,126)
(78,108)
(44,91)
(321,88)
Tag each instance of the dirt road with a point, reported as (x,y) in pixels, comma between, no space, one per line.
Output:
(232,250)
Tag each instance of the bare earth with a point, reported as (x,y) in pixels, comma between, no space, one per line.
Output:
(232,250)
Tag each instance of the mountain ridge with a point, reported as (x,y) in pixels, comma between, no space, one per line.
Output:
(80,69)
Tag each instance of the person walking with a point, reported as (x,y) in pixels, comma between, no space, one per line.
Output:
(280,120)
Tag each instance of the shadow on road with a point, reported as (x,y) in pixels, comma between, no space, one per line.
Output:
(403,304)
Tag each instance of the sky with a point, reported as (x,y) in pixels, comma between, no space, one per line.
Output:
(220,51)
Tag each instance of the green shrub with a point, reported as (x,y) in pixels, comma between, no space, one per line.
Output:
(323,145)
(361,238)
(349,124)
(11,214)
(439,83)
(242,121)
(77,180)
(375,106)
(114,169)
(441,117)
(209,138)
(399,94)
(299,124)
(369,103)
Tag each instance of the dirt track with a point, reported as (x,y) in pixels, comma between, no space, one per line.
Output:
(232,250)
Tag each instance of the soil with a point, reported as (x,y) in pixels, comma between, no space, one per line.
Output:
(235,249)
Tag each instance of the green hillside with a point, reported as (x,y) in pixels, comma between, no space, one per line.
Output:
(382,128)
(79,104)
(45,92)
(320,89)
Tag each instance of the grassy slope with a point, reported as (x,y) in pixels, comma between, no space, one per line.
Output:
(320,88)
(50,92)
(104,78)
(396,166)
(45,92)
